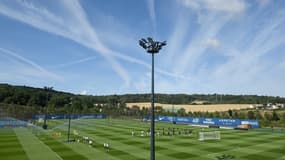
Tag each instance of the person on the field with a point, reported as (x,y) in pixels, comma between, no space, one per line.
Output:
(142,133)
(147,132)
(90,142)
(85,139)
(106,146)
(133,133)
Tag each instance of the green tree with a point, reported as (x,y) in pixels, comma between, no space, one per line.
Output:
(224,115)
(51,108)
(275,116)
(250,115)
(267,116)
(85,109)
(122,106)
(258,115)
(216,114)
(37,99)
(135,110)
(181,112)
(230,112)
(242,115)
(76,106)
(282,118)
(235,115)
(67,108)
(190,114)
(158,109)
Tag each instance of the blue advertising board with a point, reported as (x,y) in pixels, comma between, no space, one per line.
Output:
(208,121)
(11,122)
(72,116)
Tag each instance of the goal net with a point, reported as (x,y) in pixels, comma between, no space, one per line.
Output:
(213,135)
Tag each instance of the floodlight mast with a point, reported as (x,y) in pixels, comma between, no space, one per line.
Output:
(69,118)
(152,47)
(48,90)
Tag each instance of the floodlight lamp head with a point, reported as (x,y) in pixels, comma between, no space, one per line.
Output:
(143,40)
(152,51)
(151,46)
(150,40)
(142,44)
(163,43)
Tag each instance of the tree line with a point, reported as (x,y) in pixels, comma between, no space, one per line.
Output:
(24,95)
(23,102)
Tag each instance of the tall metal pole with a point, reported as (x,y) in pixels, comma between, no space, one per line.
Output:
(68,134)
(152,47)
(46,110)
(47,89)
(69,118)
(152,140)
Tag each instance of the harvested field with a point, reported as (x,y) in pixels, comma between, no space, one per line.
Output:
(195,108)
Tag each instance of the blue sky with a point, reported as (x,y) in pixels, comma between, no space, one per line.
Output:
(91,46)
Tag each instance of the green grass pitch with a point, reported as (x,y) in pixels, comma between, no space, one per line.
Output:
(23,143)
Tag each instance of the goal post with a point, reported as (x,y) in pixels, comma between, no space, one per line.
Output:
(210,135)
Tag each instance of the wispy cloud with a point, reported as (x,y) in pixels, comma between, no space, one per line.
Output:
(212,16)
(263,3)
(38,70)
(230,6)
(248,68)
(74,26)
(74,62)
(196,48)
(213,43)
(176,39)
(151,11)
(239,51)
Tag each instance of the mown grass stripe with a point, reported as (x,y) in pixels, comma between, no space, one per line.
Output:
(64,152)
(34,147)
(10,147)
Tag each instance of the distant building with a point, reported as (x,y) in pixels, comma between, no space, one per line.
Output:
(200,102)
(256,106)
(274,106)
